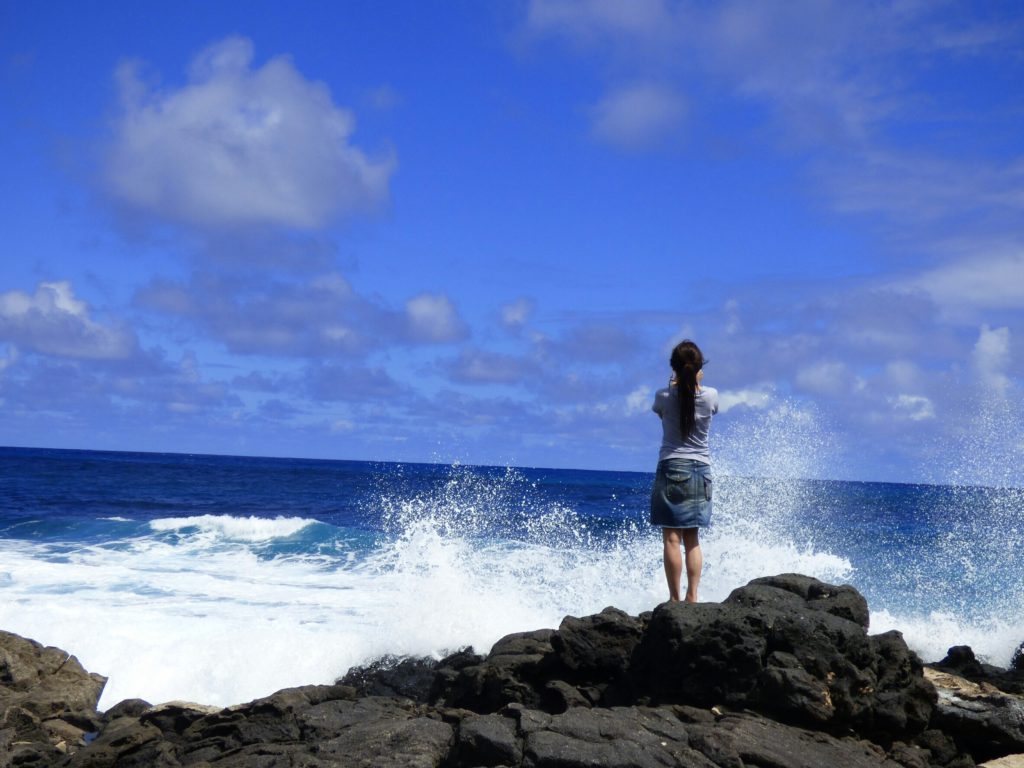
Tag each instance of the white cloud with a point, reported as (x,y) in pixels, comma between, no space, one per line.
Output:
(986,282)
(10,359)
(913,407)
(923,187)
(334,284)
(385,97)
(903,374)
(238,146)
(515,315)
(796,57)
(836,75)
(685,332)
(585,20)
(433,318)
(750,397)
(317,317)
(733,321)
(639,401)
(991,357)
(54,322)
(638,116)
(824,378)
(255,315)
(480,367)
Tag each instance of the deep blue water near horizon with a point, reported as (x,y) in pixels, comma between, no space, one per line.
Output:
(220,578)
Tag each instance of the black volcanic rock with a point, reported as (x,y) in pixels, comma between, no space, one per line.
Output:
(596,647)
(703,654)
(47,702)
(787,647)
(960,660)
(843,601)
(46,681)
(408,677)
(982,719)
(782,673)
(489,740)
(126,708)
(515,671)
(1017,661)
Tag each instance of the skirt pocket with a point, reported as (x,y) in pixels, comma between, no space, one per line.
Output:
(677,486)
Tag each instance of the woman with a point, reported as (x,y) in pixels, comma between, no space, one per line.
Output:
(681,498)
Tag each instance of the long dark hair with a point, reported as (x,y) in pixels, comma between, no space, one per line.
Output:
(686,361)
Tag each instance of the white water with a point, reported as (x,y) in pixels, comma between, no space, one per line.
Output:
(197,614)
(252,528)
(202,609)
(192,611)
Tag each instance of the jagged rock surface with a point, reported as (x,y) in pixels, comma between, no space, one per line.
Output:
(783,673)
(47,702)
(984,720)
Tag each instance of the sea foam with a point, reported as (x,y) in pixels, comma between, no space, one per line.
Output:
(250,528)
(211,614)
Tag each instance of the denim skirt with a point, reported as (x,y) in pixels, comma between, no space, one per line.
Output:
(681,497)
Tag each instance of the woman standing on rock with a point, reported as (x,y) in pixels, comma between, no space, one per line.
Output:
(681,498)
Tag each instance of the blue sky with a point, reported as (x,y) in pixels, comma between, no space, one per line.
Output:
(464,231)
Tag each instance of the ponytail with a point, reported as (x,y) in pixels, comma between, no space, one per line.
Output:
(686,361)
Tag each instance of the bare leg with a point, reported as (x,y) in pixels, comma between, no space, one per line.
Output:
(673,561)
(694,562)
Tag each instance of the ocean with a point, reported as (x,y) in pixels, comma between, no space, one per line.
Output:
(220,579)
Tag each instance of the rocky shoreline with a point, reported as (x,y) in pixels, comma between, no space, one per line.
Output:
(783,673)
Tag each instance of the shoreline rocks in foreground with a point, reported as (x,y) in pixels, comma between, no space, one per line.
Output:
(782,673)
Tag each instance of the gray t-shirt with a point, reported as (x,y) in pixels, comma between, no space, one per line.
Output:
(694,445)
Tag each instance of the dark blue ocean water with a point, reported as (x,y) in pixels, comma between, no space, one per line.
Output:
(219,579)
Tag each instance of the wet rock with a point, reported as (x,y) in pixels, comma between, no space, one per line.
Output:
(1017,660)
(960,660)
(409,677)
(515,671)
(982,720)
